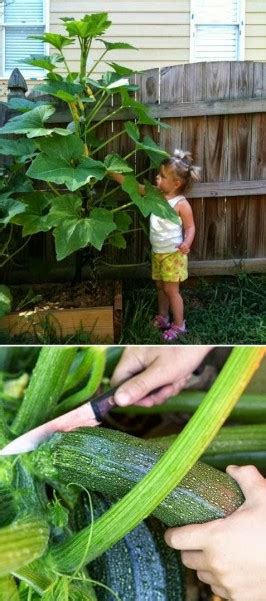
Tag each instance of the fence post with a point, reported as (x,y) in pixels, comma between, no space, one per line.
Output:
(16,85)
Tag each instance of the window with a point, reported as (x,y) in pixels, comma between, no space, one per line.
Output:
(20,19)
(217,30)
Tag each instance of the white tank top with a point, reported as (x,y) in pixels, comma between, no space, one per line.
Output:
(165,235)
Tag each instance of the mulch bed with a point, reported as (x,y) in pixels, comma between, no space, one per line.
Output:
(62,296)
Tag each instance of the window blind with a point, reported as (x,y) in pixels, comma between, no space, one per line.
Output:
(21,19)
(215,29)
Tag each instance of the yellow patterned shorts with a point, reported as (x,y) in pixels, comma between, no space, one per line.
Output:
(169,267)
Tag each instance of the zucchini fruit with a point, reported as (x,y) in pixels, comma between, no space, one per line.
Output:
(240,445)
(140,566)
(112,462)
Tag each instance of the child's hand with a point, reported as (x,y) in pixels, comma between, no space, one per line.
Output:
(184,248)
(230,554)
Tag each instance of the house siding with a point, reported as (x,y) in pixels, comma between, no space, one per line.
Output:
(159,30)
(255,46)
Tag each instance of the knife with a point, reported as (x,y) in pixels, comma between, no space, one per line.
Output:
(89,414)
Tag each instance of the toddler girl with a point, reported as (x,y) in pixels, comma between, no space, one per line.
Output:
(170,241)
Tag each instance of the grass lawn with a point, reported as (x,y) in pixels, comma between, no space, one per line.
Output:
(228,310)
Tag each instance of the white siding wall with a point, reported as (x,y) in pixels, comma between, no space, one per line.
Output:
(159,29)
(255,30)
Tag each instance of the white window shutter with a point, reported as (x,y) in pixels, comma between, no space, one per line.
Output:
(24,11)
(216,29)
(220,11)
(21,19)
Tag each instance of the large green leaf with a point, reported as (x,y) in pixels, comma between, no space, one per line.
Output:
(117,45)
(49,62)
(113,162)
(121,70)
(152,202)
(31,123)
(55,87)
(132,131)
(21,147)
(5,302)
(117,240)
(34,218)
(9,207)
(55,39)
(22,104)
(72,231)
(155,152)
(122,221)
(111,81)
(91,26)
(61,161)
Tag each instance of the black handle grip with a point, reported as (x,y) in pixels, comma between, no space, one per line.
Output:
(103,403)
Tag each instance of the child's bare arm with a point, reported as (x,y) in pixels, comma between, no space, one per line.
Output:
(185,212)
(119,178)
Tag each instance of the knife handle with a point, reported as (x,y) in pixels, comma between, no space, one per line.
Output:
(105,402)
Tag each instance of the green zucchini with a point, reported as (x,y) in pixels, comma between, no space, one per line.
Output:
(8,505)
(140,566)
(239,445)
(112,462)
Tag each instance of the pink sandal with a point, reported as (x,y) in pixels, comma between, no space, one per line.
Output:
(161,323)
(174,332)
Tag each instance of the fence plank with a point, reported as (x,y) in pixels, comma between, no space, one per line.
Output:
(239,156)
(229,188)
(171,88)
(256,235)
(215,159)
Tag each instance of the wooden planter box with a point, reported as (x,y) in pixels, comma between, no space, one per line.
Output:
(102,324)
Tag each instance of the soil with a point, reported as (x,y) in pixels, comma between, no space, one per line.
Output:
(62,296)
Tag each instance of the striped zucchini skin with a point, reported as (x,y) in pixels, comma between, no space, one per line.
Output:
(240,445)
(8,507)
(21,542)
(112,462)
(140,566)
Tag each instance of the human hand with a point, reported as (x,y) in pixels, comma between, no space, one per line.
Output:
(184,248)
(230,554)
(166,367)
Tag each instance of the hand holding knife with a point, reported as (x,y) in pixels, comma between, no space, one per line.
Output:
(89,414)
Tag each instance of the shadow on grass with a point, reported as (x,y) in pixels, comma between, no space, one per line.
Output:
(228,310)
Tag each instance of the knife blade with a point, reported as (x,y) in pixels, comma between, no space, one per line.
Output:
(89,414)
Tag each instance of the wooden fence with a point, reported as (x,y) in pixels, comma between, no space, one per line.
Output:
(217,111)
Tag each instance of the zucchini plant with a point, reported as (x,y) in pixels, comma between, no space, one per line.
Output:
(73,513)
(73,162)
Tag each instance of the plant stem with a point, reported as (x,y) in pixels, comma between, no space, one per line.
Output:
(97,62)
(107,118)
(56,192)
(171,468)
(108,141)
(45,387)
(128,204)
(96,108)
(15,252)
(81,371)
(251,408)
(97,371)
